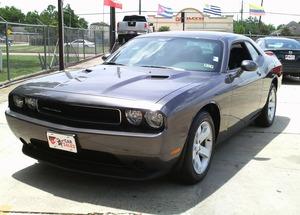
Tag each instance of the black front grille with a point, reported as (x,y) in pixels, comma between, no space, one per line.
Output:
(76,113)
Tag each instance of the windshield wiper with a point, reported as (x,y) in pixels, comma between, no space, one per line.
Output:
(113,63)
(162,67)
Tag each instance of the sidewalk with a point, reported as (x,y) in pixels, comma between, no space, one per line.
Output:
(90,63)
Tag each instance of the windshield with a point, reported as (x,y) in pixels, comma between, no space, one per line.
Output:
(282,44)
(134,19)
(169,52)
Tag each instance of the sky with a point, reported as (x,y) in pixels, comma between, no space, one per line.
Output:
(96,6)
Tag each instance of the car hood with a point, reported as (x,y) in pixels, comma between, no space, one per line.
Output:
(134,83)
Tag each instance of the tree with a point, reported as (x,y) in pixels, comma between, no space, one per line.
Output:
(164,28)
(72,20)
(12,14)
(285,31)
(49,16)
(252,26)
(280,26)
(32,17)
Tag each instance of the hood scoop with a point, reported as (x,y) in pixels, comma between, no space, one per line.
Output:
(87,70)
(159,77)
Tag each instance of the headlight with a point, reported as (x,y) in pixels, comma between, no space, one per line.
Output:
(154,119)
(18,101)
(134,117)
(31,103)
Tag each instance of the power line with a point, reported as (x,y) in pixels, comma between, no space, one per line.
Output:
(152,11)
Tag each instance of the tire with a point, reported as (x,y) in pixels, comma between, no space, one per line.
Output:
(267,115)
(190,172)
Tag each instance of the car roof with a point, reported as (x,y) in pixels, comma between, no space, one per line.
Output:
(278,38)
(198,34)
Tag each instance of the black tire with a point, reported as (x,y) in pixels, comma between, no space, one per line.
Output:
(263,120)
(187,173)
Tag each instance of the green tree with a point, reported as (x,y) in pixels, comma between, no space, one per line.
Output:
(32,17)
(280,26)
(164,28)
(285,31)
(72,20)
(49,16)
(12,14)
(252,26)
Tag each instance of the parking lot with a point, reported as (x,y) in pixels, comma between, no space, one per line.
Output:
(255,172)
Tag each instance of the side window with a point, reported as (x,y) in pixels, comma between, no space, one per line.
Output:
(253,52)
(238,53)
(260,43)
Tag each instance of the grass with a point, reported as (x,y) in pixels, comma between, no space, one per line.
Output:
(25,65)
(50,49)
(26,49)
(19,66)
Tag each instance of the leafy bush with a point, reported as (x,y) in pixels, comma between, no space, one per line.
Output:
(164,28)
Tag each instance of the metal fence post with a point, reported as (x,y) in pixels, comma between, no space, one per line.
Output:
(48,43)
(78,50)
(7,51)
(102,32)
(95,42)
(83,44)
(45,47)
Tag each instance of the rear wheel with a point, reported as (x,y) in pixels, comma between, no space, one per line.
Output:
(199,151)
(267,115)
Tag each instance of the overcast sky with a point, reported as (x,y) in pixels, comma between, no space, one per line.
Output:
(96,6)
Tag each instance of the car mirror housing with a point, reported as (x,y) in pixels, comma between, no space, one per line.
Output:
(249,66)
(104,57)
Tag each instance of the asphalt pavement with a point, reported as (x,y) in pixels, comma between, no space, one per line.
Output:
(257,171)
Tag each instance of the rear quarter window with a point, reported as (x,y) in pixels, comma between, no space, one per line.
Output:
(134,19)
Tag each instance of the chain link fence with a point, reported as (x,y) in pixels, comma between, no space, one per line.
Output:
(27,49)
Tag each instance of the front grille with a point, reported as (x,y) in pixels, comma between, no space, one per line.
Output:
(79,114)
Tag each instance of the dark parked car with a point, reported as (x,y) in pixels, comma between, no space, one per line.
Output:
(160,103)
(286,50)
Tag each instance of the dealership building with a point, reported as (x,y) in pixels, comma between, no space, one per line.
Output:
(194,21)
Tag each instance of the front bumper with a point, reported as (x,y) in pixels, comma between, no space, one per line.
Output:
(109,153)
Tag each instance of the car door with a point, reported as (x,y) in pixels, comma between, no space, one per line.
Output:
(246,86)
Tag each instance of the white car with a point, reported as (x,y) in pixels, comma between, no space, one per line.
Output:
(80,43)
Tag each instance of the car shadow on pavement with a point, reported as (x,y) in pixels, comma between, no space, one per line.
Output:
(291,81)
(162,195)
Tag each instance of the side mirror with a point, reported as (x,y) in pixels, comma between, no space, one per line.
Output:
(249,66)
(104,57)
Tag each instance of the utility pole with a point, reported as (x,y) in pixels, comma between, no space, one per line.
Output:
(261,4)
(112,27)
(259,22)
(61,35)
(183,20)
(242,10)
(140,7)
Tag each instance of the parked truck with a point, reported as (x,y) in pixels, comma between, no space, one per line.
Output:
(132,26)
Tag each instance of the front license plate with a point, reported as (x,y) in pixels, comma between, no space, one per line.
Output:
(65,142)
(290,57)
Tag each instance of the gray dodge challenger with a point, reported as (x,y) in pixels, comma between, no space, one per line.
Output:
(159,104)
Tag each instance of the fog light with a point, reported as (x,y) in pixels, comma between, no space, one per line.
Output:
(134,117)
(31,103)
(154,119)
(18,101)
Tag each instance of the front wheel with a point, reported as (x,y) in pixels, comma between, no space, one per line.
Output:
(267,115)
(199,151)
